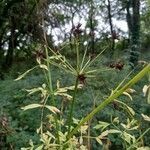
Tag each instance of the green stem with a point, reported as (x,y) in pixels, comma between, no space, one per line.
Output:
(110,99)
(72,106)
(125,107)
(77,51)
(147,130)
(124,144)
(52,95)
(84,55)
(138,139)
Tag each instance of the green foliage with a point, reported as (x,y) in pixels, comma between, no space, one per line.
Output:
(62,130)
(69,95)
(91,93)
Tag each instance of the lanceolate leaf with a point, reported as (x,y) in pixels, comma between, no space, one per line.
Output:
(24,74)
(130,91)
(32,91)
(99,141)
(31,106)
(52,109)
(131,110)
(102,125)
(69,97)
(127,94)
(145,89)
(146,118)
(105,133)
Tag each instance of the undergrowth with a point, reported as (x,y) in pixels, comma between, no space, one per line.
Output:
(76,106)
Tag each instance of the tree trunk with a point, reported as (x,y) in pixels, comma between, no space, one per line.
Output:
(12,44)
(111,28)
(135,33)
(133,21)
(91,18)
(129,18)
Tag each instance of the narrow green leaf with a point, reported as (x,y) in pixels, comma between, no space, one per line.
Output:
(131,110)
(52,109)
(127,94)
(103,134)
(145,88)
(91,71)
(69,97)
(99,141)
(145,117)
(31,106)
(24,74)
(102,125)
(32,91)
(114,131)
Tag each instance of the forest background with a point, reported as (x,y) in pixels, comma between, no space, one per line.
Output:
(36,32)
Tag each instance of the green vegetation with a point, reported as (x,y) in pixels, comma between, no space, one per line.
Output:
(21,125)
(74,86)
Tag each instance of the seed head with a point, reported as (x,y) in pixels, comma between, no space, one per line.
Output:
(76,30)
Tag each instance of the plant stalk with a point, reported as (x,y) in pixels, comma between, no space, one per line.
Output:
(78,57)
(72,106)
(110,99)
(52,95)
